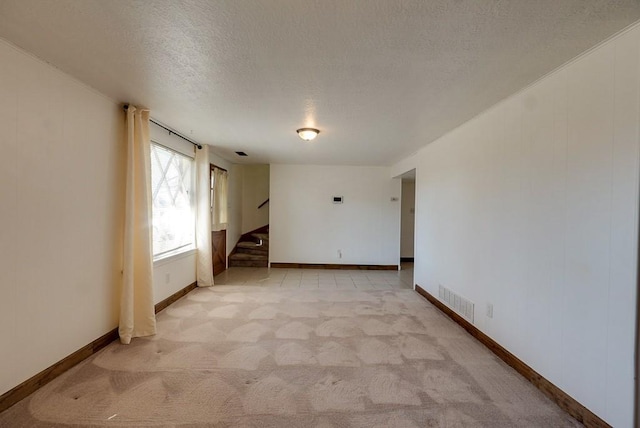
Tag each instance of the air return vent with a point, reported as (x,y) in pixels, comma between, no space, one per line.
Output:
(241,154)
(459,304)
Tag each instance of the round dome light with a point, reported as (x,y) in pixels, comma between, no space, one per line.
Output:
(308,134)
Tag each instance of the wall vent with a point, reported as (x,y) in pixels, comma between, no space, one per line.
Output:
(459,304)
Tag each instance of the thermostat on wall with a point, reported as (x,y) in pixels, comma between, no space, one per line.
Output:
(338,200)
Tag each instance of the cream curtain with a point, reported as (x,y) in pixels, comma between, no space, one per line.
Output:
(137,312)
(220,190)
(204,264)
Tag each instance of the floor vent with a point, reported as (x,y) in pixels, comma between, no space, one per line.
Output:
(456,302)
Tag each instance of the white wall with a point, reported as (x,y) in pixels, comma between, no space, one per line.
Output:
(405,165)
(407,217)
(173,274)
(532,206)
(306,227)
(255,190)
(61,184)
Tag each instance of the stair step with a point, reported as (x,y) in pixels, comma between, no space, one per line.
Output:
(251,245)
(260,251)
(263,236)
(245,256)
(248,263)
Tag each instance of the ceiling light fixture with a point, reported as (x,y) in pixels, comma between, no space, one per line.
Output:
(308,134)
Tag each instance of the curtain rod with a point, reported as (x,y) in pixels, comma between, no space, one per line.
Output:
(169,130)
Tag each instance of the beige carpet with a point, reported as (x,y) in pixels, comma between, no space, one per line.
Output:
(242,356)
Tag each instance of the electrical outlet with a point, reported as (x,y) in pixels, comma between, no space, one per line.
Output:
(339,254)
(167,278)
(490,310)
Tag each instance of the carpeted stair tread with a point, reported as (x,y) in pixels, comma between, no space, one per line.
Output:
(259,251)
(245,256)
(263,236)
(252,245)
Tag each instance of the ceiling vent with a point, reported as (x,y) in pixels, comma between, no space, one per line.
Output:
(241,154)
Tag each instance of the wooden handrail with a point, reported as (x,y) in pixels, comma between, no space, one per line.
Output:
(263,204)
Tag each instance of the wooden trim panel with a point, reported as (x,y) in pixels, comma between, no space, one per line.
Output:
(332,266)
(406,259)
(31,385)
(561,398)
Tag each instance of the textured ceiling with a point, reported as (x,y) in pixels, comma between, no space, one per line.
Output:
(380,78)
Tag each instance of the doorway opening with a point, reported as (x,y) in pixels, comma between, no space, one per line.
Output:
(407,218)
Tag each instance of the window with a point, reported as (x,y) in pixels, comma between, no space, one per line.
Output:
(219,190)
(172,181)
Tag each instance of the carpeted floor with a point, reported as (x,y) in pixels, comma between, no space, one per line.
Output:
(260,356)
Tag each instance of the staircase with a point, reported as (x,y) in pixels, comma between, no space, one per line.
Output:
(252,250)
